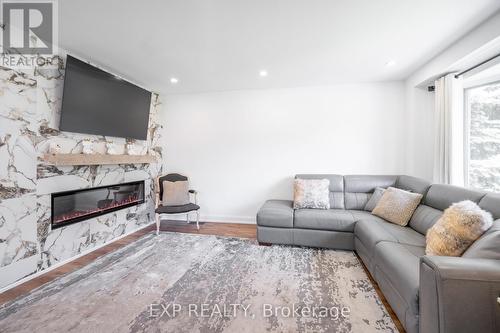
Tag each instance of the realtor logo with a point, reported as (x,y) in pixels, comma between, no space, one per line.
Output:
(28,27)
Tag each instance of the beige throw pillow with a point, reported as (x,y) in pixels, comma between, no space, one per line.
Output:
(175,193)
(461,224)
(397,206)
(311,193)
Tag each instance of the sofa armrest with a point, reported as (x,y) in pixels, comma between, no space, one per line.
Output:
(459,295)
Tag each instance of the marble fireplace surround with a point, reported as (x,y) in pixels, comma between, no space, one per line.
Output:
(30,102)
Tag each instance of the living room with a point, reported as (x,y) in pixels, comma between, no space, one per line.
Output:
(222,166)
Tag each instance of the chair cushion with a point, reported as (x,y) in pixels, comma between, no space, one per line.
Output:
(330,219)
(372,230)
(175,193)
(276,213)
(176,209)
(399,264)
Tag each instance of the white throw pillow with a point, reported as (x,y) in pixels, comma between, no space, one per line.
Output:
(461,224)
(311,193)
(175,193)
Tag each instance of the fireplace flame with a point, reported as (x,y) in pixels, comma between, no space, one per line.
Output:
(79,213)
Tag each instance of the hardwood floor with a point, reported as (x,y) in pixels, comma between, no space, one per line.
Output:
(206,228)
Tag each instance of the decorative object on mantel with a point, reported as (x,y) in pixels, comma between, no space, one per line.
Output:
(130,147)
(54,148)
(87,145)
(97,159)
(111,148)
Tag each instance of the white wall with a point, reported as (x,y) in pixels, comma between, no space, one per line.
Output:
(479,44)
(420,132)
(240,148)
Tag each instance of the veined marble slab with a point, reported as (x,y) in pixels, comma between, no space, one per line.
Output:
(30,109)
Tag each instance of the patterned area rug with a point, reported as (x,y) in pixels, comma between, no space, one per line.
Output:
(192,283)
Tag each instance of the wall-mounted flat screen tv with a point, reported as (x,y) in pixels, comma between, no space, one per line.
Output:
(97,102)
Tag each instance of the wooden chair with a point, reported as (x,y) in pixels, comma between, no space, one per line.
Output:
(174,210)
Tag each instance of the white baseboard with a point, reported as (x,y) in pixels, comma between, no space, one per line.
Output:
(213,218)
(59,264)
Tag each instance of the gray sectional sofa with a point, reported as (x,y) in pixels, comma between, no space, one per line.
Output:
(428,293)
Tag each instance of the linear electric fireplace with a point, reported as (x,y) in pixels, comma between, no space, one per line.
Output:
(78,205)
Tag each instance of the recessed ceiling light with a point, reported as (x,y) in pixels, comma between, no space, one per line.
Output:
(263,73)
(390,63)
(174,80)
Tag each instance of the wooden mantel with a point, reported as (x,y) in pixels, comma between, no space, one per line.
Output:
(97,159)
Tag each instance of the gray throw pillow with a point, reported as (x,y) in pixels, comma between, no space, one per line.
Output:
(175,193)
(374,199)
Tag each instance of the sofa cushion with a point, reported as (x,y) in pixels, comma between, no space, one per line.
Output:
(276,213)
(359,188)
(423,218)
(336,187)
(330,219)
(461,224)
(441,196)
(488,246)
(397,206)
(363,215)
(413,184)
(491,203)
(372,230)
(399,265)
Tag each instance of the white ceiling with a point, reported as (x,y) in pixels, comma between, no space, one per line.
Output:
(215,45)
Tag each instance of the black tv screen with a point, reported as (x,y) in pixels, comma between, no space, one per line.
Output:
(97,102)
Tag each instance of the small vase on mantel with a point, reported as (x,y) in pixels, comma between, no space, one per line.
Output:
(87,145)
(130,147)
(111,148)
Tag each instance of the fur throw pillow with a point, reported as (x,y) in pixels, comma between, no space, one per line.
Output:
(461,224)
(311,193)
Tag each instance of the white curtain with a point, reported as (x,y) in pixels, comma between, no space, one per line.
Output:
(449,131)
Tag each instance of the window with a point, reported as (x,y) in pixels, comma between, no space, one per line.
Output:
(482,166)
